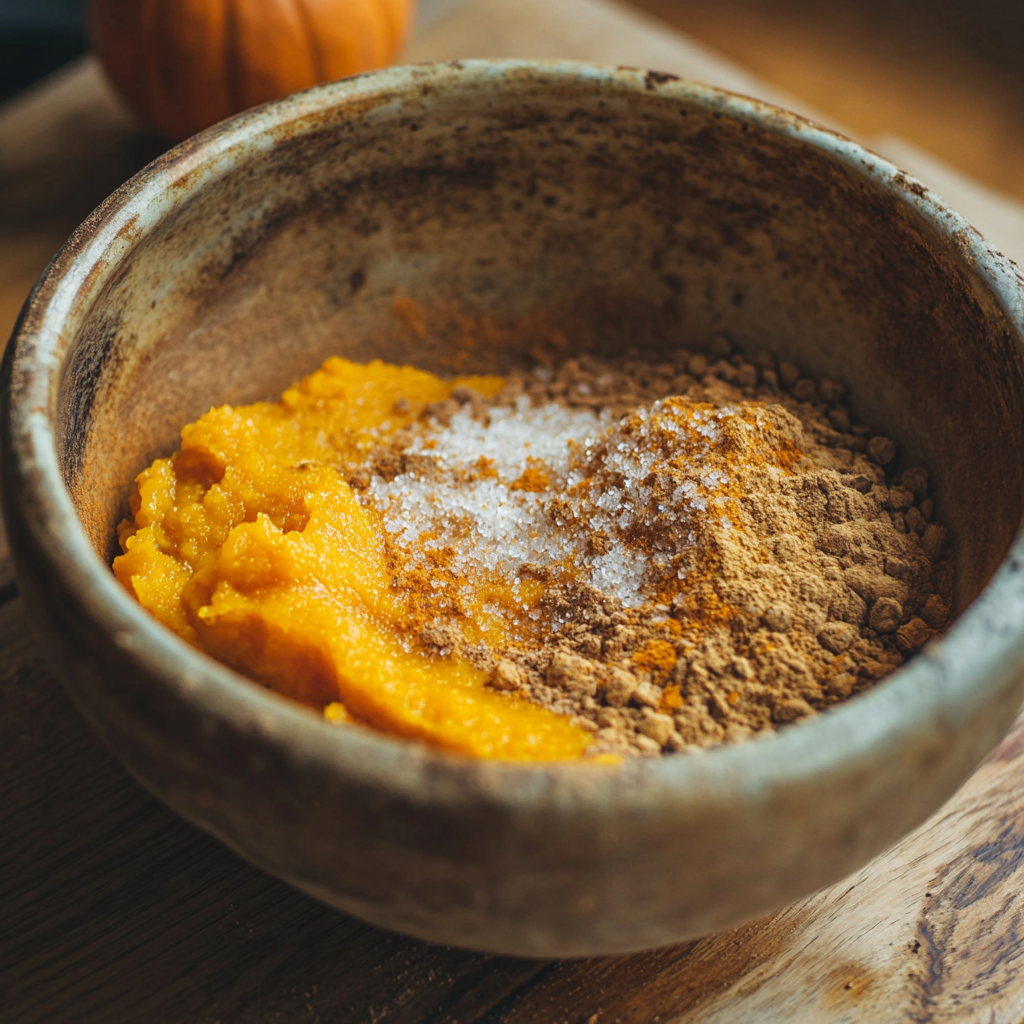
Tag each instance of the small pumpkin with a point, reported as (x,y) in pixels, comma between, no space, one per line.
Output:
(183,65)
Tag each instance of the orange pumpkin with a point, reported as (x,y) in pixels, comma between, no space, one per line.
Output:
(183,65)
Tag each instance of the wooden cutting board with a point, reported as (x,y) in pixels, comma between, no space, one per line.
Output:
(112,909)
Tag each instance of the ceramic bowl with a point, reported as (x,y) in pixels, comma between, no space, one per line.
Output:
(630,209)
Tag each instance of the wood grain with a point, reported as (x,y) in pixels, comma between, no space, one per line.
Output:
(931,931)
(112,909)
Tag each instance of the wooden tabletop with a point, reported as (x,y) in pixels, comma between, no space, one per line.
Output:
(113,909)
(947,75)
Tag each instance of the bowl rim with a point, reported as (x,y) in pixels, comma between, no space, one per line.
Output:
(947,682)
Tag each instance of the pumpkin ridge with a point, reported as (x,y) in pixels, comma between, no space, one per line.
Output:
(157,82)
(233,64)
(397,16)
(222,56)
(113,27)
(313,41)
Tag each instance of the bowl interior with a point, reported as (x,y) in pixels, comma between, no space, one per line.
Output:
(495,222)
(473,217)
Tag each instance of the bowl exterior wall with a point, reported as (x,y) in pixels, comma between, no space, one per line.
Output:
(545,205)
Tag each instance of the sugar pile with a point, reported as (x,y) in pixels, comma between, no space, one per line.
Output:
(565,493)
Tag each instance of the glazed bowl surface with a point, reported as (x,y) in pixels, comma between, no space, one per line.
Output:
(624,209)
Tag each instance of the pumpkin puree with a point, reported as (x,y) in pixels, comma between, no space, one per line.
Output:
(250,545)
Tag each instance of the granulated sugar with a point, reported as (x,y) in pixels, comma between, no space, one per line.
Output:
(696,552)
(614,506)
(485,494)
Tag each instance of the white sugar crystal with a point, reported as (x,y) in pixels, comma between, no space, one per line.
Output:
(600,472)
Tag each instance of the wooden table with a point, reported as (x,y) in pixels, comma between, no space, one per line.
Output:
(112,909)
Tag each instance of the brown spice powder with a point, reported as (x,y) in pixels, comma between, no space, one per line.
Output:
(810,584)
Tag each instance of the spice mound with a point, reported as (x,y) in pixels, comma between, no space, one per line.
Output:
(613,558)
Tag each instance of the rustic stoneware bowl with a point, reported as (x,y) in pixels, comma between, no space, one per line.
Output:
(630,209)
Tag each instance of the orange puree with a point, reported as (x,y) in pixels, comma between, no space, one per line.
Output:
(250,545)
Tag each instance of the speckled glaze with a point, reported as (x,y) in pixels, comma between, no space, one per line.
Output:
(632,210)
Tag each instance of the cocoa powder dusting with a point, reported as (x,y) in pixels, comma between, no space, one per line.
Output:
(804,570)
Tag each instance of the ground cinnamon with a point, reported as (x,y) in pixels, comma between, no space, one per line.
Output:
(699,550)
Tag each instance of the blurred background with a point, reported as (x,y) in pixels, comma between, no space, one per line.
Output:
(948,75)
(913,79)
(36,37)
